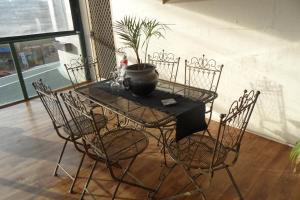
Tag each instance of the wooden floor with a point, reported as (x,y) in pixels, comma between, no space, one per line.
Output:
(29,148)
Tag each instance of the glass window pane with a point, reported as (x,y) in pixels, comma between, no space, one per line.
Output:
(45,59)
(25,17)
(10,88)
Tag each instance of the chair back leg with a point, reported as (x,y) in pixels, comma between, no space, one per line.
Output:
(77,173)
(234,183)
(88,180)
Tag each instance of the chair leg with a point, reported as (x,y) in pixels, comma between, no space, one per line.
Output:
(181,194)
(208,133)
(234,183)
(165,171)
(60,157)
(194,181)
(116,190)
(88,181)
(158,141)
(77,172)
(122,177)
(203,197)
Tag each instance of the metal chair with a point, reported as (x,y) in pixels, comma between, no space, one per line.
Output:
(111,147)
(202,73)
(167,68)
(82,69)
(64,128)
(202,156)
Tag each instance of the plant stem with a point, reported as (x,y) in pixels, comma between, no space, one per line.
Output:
(146,49)
(138,57)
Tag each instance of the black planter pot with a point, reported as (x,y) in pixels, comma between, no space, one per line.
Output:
(141,79)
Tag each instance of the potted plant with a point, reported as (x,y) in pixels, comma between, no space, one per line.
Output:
(295,155)
(136,33)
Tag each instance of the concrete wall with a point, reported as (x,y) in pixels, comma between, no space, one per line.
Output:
(257,41)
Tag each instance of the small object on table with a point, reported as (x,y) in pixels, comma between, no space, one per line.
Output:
(122,68)
(168,102)
(115,77)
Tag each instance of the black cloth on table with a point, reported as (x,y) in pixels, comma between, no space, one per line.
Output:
(190,115)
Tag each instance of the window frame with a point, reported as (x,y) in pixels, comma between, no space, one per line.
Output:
(77,30)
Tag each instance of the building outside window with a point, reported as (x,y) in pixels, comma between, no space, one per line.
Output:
(31,30)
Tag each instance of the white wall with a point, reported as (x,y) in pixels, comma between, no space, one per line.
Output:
(257,41)
(65,57)
(86,26)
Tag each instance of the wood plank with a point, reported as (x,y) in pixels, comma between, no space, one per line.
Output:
(29,148)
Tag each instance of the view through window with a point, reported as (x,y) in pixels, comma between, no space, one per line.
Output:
(26,17)
(37,58)
(10,88)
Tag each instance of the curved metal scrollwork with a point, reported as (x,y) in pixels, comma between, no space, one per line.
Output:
(121,50)
(163,57)
(204,63)
(235,122)
(81,62)
(242,103)
(122,121)
(41,87)
(74,102)
(166,66)
(51,102)
(115,119)
(202,73)
(82,69)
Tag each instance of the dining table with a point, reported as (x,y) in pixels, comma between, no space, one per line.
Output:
(186,110)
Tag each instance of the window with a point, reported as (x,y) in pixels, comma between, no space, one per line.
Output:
(27,17)
(44,59)
(10,88)
(37,37)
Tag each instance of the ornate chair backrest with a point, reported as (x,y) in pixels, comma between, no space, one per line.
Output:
(202,73)
(51,103)
(83,69)
(233,125)
(166,66)
(84,119)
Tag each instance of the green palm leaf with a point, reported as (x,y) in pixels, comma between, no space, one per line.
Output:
(294,155)
(136,33)
(295,152)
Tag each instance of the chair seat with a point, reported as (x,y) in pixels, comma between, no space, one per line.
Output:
(122,144)
(196,151)
(101,121)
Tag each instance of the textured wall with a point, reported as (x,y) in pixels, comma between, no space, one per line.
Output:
(257,41)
